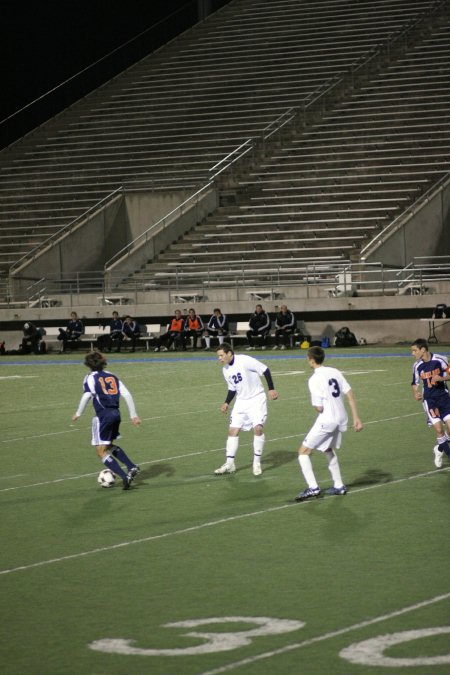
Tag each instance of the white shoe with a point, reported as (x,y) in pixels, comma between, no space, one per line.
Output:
(164,349)
(275,347)
(250,349)
(438,454)
(283,347)
(264,347)
(228,467)
(257,471)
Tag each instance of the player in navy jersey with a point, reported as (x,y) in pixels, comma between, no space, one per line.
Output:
(105,390)
(431,371)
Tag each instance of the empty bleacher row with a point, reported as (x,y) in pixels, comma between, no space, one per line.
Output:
(167,120)
(327,193)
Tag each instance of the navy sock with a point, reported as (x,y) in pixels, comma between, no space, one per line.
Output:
(114,466)
(444,446)
(122,456)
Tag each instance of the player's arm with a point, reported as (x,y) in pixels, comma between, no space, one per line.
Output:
(81,406)
(226,404)
(130,404)
(416,392)
(357,424)
(273,394)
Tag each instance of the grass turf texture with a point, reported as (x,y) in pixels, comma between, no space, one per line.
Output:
(80,563)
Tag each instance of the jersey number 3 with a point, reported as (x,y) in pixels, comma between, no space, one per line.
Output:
(335,387)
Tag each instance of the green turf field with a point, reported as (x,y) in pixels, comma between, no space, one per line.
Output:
(194,574)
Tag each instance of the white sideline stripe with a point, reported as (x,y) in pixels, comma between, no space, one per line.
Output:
(211,523)
(327,636)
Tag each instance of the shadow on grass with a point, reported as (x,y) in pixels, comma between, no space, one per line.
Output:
(371,477)
(156,470)
(277,458)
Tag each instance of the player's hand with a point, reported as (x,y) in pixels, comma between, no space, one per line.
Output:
(273,394)
(358,425)
(136,421)
(74,418)
(224,407)
(418,395)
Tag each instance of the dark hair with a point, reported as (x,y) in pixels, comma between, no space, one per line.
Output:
(420,343)
(225,347)
(317,354)
(95,361)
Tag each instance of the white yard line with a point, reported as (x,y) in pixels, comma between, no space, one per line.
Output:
(211,523)
(327,636)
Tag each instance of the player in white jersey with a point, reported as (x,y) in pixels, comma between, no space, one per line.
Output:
(327,387)
(242,374)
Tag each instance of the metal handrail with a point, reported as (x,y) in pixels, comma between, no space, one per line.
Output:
(56,236)
(142,238)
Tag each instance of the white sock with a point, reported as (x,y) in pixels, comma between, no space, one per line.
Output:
(307,470)
(232,446)
(258,447)
(208,341)
(221,339)
(334,469)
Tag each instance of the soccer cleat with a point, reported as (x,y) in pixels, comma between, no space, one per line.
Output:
(133,472)
(164,349)
(283,347)
(337,491)
(307,494)
(228,467)
(250,349)
(275,347)
(257,470)
(438,455)
(126,482)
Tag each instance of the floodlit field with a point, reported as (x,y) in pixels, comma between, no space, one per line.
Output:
(194,574)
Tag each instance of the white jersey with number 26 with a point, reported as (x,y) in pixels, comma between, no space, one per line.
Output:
(327,387)
(243,376)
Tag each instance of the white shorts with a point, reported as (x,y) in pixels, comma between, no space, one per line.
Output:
(248,414)
(323,435)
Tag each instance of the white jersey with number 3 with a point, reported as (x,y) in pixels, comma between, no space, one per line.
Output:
(327,387)
(243,376)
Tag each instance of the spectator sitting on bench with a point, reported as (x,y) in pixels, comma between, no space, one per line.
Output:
(217,327)
(73,331)
(106,340)
(32,336)
(193,328)
(131,332)
(284,327)
(259,327)
(174,334)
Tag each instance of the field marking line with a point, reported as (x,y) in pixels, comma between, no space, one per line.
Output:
(327,636)
(184,456)
(211,523)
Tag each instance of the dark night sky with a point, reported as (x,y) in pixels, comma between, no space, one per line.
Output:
(44,43)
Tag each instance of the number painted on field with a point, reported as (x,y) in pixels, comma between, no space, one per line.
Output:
(371,652)
(214,642)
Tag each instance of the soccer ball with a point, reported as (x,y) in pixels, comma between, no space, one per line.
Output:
(106,478)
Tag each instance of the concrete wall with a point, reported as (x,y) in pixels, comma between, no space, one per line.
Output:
(426,233)
(95,240)
(161,235)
